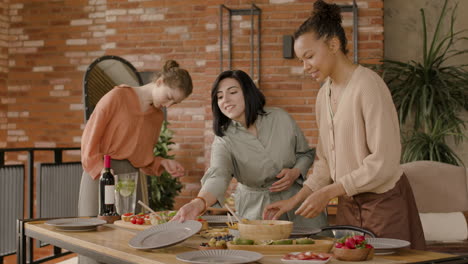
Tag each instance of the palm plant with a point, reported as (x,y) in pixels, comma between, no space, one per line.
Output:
(431,146)
(164,188)
(431,93)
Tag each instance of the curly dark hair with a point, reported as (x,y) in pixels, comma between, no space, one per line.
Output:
(325,21)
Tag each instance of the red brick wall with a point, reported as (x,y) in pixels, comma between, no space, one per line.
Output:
(51,43)
(4,24)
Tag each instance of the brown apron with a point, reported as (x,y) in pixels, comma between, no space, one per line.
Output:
(392,214)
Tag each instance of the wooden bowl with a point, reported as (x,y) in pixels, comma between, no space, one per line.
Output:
(109,219)
(265,229)
(357,254)
(204,225)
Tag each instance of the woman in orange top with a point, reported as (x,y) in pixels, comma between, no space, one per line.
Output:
(125,125)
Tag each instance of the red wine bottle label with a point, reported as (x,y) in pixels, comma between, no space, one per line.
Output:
(109,196)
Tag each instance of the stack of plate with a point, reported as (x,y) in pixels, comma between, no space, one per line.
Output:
(76,224)
(386,246)
(218,220)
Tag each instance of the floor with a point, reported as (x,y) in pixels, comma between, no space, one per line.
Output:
(73,260)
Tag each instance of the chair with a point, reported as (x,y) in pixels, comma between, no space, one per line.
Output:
(11,206)
(441,194)
(340,231)
(57,190)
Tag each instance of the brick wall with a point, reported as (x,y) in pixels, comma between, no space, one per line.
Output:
(51,43)
(4,24)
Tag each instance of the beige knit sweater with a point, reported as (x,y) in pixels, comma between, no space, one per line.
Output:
(360,145)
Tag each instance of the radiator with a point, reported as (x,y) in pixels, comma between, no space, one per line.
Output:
(11,206)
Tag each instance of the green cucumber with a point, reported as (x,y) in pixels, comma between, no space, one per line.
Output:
(242,241)
(282,242)
(301,241)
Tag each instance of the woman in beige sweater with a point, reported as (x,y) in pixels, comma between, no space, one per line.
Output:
(359,140)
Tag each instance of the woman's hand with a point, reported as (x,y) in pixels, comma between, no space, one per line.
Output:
(316,202)
(275,210)
(189,211)
(287,178)
(173,167)
(313,205)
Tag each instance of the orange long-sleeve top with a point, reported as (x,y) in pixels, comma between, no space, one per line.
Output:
(119,128)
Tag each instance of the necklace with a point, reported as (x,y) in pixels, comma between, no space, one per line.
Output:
(335,95)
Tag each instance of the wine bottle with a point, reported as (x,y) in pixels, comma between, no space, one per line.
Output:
(106,190)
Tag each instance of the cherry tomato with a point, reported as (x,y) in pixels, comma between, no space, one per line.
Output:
(140,221)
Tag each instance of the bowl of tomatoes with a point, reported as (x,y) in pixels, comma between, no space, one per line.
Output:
(306,257)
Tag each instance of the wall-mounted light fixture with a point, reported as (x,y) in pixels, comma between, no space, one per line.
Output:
(288,43)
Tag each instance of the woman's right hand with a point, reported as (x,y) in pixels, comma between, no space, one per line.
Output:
(173,167)
(275,210)
(189,211)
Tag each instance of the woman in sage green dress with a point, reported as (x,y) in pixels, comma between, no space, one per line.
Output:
(262,147)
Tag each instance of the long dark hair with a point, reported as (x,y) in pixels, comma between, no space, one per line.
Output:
(325,21)
(253,98)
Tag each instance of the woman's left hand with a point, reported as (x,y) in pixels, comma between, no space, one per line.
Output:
(313,205)
(287,178)
(318,200)
(173,167)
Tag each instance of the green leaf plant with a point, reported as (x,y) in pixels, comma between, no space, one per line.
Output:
(431,93)
(163,189)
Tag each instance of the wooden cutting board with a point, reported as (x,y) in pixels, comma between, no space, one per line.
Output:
(129,225)
(319,246)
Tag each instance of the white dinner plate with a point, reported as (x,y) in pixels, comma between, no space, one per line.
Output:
(386,246)
(218,219)
(165,235)
(76,224)
(219,256)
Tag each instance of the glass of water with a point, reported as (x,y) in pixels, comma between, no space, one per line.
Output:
(125,192)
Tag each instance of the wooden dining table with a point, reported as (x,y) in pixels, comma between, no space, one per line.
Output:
(109,244)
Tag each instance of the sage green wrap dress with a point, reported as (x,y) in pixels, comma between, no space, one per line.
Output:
(255,162)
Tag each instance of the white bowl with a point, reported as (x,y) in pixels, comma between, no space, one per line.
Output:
(310,261)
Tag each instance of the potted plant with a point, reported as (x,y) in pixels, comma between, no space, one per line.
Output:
(163,189)
(431,94)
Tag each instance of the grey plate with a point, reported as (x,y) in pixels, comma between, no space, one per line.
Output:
(76,224)
(219,256)
(301,231)
(165,235)
(386,246)
(218,219)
